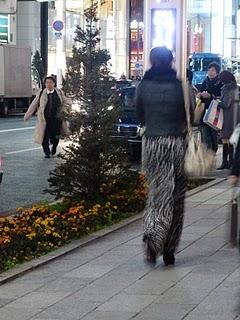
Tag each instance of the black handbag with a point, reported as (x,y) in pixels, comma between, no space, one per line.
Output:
(1,172)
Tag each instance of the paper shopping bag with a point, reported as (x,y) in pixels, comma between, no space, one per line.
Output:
(198,112)
(214,116)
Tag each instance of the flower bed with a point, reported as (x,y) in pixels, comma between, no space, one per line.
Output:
(40,229)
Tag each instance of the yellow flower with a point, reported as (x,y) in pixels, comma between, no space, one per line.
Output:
(56,235)
(31,235)
(6,229)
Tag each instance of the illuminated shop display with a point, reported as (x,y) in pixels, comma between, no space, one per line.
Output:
(164,28)
(136,38)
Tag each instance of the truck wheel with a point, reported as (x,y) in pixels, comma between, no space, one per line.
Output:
(3,110)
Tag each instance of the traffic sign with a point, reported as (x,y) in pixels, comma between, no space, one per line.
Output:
(58,25)
(138,66)
(58,35)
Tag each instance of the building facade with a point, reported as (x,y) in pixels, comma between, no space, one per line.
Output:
(213,26)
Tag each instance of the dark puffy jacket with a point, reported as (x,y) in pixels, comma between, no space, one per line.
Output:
(213,87)
(160,104)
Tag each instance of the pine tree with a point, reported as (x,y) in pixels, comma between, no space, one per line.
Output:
(37,63)
(94,159)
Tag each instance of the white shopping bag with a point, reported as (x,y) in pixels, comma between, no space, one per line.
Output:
(214,116)
(235,136)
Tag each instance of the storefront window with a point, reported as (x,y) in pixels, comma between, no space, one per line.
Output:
(136,38)
(212,27)
(4,28)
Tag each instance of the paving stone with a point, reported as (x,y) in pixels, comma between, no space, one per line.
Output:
(127,303)
(67,309)
(37,300)
(200,230)
(64,285)
(191,204)
(166,311)
(97,293)
(10,313)
(98,315)
(18,288)
(201,315)
(221,303)
(211,266)
(89,271)
(179,295)
(4,302)
(145,287)
(202,281)
(127,251)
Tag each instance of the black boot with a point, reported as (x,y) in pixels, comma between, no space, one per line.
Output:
(225,164)
(169,259)
(230,153)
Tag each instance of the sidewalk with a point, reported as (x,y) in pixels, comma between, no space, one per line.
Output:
(107,280)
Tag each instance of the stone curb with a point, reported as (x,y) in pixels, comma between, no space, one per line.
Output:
(76,244)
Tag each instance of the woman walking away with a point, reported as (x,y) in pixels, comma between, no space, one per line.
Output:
(160,108)
(51,106)
(228,104)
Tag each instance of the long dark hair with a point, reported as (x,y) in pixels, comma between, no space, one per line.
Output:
(161,57)
(227,77)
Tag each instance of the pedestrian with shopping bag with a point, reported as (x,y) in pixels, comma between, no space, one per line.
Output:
(229,103)
(51,107)
(210,90)
(161,109)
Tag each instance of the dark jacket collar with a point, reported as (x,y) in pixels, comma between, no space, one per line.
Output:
(160,74)
(216,80)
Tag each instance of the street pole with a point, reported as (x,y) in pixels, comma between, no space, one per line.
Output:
(61,42)
(183,63)
(44,34)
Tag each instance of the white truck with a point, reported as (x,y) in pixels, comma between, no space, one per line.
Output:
(19,82)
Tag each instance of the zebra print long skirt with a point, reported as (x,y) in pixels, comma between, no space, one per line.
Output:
(163,164)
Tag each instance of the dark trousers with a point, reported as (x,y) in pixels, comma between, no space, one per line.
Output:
(52,135)
(209,137)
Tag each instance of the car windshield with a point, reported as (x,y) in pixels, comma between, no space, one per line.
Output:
(127,97)
(201,64)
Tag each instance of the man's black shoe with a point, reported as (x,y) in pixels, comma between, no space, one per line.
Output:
(47,156)
(54,151)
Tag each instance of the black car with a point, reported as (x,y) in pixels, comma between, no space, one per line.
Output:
(127,127)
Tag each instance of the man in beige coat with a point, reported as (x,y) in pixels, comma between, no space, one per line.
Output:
(50,106)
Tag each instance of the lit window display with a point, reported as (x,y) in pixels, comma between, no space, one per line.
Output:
(136,39)
(163,28)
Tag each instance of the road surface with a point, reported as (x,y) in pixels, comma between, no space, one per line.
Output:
(26,171)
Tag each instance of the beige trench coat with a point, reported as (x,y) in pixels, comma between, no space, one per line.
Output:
(39,105)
